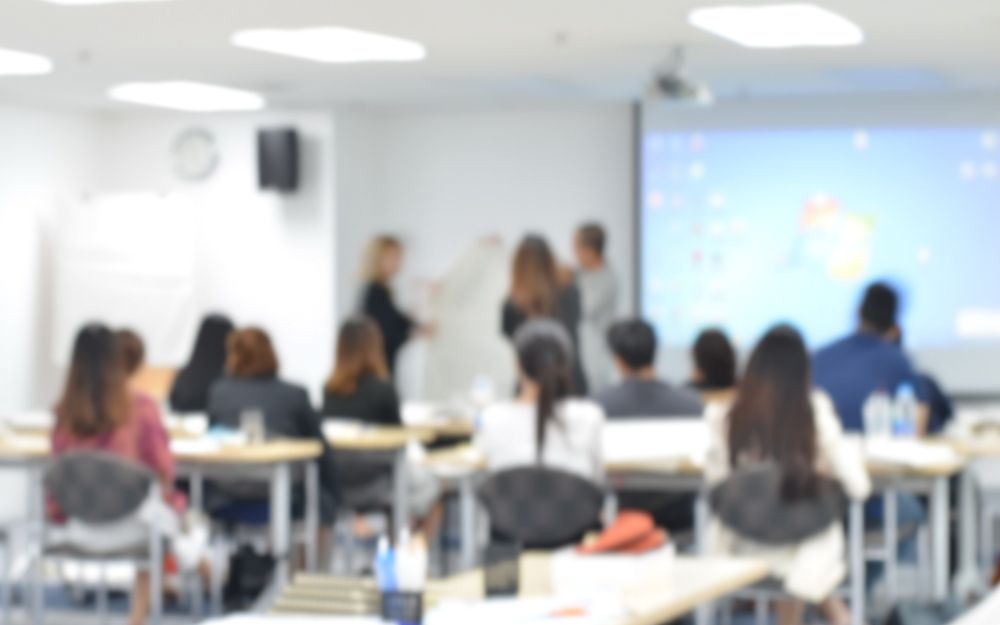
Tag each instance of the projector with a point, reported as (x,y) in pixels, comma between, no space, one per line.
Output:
(671,85)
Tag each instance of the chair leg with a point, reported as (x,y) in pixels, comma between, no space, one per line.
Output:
(760,609)
(102,593)
(5,584)
(156,578)
(37,586)
(986,541)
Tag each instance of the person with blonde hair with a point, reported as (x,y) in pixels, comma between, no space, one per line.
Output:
(382,263)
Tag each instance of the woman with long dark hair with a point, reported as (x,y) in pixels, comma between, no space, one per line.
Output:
(359,386)
(779,426)
(98,412)
(206,366)
(539,290)
(544,425)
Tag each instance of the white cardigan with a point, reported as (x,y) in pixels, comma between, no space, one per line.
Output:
(573,441)
(812,569)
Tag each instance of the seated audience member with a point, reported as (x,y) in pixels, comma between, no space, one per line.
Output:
(98,412)
(155,382)
(537,291)
(544,425)
(940,409)
(252,383)
(777,420)
(641,394)
(852,369)
(714,357)
(359,387)
(206,366)
(869,360)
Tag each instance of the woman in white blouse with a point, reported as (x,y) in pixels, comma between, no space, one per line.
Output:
(544,425)
(777,418)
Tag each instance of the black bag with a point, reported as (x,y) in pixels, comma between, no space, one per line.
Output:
(750,503)
(249,576)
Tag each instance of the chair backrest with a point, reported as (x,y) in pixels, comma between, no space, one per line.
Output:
(365,477)
(750,503)
(97,487)
(541,508)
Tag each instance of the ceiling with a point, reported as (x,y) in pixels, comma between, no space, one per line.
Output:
(491,50)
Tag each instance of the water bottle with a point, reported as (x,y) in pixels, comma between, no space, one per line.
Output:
(905,411)
(877,413)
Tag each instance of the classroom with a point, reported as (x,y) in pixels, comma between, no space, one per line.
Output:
(567,312)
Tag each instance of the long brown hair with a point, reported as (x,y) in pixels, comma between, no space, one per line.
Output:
(772,416)
(534,285)
(95,400)
(374,259)
(250,354)
(360,352)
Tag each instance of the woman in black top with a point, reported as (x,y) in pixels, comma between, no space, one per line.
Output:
(206,366)
(538,292)
(358,388)
(252,383)
(382,263)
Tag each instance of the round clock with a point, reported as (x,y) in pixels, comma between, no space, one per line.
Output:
(195,155)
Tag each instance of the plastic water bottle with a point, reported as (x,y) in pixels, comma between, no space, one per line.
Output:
(905,411)
(877,413)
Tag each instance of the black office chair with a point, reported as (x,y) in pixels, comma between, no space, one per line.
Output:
(541,508)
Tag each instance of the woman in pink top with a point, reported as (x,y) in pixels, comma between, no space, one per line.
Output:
(98,412)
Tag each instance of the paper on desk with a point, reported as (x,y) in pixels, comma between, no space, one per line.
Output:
(601,610)
(260,619)
(340,429)
(908,452)
(986,613)
(581,576)
(188,446)
(36,420)
(661,440)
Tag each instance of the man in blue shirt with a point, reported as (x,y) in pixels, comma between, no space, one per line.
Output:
(853,368)
(867,361)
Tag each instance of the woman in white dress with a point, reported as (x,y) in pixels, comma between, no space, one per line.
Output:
(778,420)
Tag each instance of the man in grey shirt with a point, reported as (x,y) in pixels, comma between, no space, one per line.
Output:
(641,394)
(599,302)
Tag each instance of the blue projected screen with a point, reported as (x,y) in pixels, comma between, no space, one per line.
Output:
(743,229)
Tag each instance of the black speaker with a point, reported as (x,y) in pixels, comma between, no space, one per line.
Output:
(278,159)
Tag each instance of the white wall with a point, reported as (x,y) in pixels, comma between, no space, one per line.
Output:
(45,157)
(443,178)
(262,258)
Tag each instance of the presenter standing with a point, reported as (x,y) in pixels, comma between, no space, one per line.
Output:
(599,303)
(381,265)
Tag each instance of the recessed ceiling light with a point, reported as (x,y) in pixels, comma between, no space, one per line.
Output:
(778,25)
(188,96)
(331,44)
(91,2)
(15,63)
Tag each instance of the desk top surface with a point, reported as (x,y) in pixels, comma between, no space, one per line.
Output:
(665,592)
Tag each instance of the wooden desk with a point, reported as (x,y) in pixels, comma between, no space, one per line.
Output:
(272,462)
(669,592)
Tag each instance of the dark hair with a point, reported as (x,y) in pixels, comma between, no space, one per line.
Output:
(545,355)
(130,350)
(715,358)
(360,352)
(879,307)
(534,287)
(593,237)
(634,341)
(250,354)
(95,400)
(206,365)
(772,416)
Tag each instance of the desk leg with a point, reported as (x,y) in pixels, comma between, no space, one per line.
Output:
(197,482)
(36,539)
(467,512)
(856,549)
(281,522)
(969,580)
(703,615)
(890,532)
(941,547)
(312,516)
(401,504)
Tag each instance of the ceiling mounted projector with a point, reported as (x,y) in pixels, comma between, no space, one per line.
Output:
(671,85)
